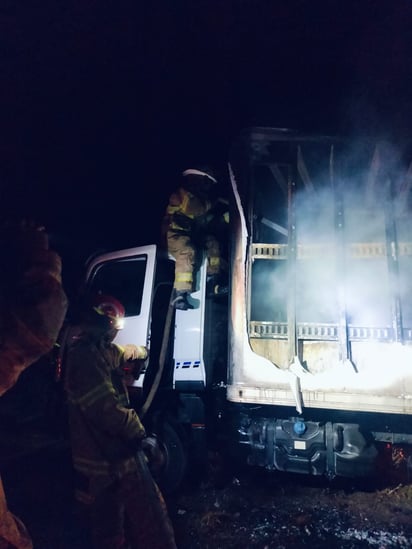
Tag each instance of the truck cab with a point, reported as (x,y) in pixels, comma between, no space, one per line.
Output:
(187,350)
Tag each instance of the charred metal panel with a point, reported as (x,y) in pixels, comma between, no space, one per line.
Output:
(322,312)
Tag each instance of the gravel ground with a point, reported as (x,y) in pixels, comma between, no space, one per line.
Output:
(274,510)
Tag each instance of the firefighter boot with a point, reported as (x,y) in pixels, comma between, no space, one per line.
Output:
(216,286)
(221,290)
(179,300)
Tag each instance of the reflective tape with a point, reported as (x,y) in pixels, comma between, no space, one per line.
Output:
(184,277)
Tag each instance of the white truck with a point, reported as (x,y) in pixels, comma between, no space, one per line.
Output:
(306,366)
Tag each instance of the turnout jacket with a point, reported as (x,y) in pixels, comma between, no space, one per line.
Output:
(104,430)
(183,209)
(33,303)
(187,213)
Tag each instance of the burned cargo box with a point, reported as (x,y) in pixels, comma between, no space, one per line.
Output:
(321,306)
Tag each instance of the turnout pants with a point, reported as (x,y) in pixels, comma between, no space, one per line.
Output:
(13,533)
(182,249)
(131,513)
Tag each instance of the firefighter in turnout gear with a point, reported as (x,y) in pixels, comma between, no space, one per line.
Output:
(192,224)
(107,437)
(33,305)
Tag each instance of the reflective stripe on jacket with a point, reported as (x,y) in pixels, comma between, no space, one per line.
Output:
(102,426)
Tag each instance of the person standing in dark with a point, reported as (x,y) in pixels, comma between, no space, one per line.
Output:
(108,440)
(33,306)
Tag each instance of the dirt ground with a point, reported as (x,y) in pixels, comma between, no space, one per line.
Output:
(239,509)
(276,510)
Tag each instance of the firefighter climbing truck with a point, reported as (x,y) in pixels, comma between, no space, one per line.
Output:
(306,365)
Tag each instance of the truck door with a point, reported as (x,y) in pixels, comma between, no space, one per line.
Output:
(128,275)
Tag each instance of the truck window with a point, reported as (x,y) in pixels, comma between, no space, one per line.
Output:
(122,278)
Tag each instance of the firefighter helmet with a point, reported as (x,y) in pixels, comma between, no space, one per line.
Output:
(203,172)
(110,310)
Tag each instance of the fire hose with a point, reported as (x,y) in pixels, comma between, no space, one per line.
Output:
(162,360)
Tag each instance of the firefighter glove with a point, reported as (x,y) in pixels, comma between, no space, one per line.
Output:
(180,300)
(134,352)
(153,452)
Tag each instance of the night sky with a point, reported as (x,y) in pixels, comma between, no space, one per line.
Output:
(103,104)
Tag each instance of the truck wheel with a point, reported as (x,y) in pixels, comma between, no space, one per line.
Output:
(173,472)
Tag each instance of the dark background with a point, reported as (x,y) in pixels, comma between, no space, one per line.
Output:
(104,103)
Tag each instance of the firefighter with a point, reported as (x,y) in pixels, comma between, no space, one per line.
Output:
(33,305)
(108,438)
(192,224)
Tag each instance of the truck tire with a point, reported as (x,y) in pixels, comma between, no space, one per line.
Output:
(173,473)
